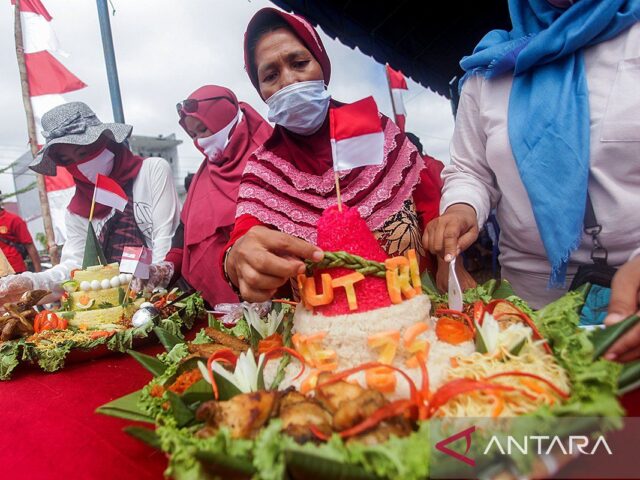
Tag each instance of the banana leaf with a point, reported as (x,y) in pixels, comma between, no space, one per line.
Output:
(199,392)
(629,387)
(182,414)
(603,339)
(125,407)
(306,466)
(168,339)
(630,374)
(145,435)
(428,285)
(504,290)
(225,466)
(152,364)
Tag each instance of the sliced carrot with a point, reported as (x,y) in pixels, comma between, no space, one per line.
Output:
(381,379)
(499,403)
(412,332)
(452,331)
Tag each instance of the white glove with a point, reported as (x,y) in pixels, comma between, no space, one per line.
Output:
(160,275)
(12,288)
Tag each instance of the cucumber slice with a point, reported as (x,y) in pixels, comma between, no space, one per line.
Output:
(70,286)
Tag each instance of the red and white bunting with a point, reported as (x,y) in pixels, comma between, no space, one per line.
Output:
(357,138)
(108,192)
(48,79)
(397,84)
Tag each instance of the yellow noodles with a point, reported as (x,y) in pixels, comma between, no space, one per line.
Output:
(532,359)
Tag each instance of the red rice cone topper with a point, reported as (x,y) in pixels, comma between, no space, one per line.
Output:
(347,231)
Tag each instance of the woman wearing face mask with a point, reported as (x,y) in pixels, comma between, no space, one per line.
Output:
(226,132)
(78,141)
(289,181)
(548,114)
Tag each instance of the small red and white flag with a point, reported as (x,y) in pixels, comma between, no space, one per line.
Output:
(109,193)
(357,138)
(136,260)
(397,84)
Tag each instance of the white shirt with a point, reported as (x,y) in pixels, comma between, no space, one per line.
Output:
(484,175)
(156,210)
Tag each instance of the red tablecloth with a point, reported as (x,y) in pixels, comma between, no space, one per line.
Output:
(49,428)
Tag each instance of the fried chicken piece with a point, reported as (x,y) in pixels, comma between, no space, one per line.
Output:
(221,341)
(397,426)
(244,415)
(204,350)
(30,299)
(227,340)
(298,413)
(13,327)
(356,410)
(331,396)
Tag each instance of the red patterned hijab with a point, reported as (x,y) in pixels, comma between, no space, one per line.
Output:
(289,181)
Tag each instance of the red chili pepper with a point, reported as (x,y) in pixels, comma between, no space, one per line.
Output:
(271,354)
(318,434)
(478,311)
(531,375)
(456,313)
(47,320)
(459,386)
(223,356)
(269,343)
(389,410)
(99,334)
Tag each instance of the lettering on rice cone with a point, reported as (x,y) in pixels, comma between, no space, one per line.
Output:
(316,299)
(347,282)
(401,274)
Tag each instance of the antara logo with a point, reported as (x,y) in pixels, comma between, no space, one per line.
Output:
(466,434)
(544,445)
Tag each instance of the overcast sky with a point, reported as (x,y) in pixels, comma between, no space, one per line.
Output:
(165,49)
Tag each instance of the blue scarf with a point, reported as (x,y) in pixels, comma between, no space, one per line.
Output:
(549,107)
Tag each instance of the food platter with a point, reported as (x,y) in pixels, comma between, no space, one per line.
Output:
(249,430)
(51,349)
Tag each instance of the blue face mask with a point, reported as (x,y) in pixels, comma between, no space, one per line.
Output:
(300,107)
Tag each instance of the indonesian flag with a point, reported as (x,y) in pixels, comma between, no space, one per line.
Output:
(48,80)
(397,84)
(109,193)
(357,138)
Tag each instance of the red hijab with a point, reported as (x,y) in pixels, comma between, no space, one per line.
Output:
(125,169)
(289,181)
(208,214)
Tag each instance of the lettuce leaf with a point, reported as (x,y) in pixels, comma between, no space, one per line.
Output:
(9,358)
(593,383)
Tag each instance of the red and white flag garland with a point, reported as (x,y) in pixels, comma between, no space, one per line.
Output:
(48,80)
(397,84)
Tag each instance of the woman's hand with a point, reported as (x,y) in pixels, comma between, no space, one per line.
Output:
(464,277)
(453,232)
(625,300)
(160,275)
(263,260)
(12,288)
